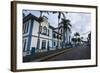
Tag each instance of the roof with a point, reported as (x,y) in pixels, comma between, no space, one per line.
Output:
(29,16)
(51,27)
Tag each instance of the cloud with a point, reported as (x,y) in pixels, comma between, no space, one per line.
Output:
(81,22)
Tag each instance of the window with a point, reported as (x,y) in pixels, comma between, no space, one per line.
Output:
(57,36)
(54,35)
(45,30)
(25,27)
(40,29)
(43,44)
(54,43)
(24,45)
(48,45)
(61,30)
(48,32)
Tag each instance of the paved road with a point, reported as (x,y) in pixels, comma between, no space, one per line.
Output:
(76,53)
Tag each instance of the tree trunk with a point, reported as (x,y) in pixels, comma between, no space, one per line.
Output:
(58,35)
(64,39)
(38,40)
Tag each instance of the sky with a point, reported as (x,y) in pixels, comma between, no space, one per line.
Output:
(81,22)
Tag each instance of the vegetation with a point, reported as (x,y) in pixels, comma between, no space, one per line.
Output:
(66,27)
(76,39)
(59,17)
(89,39)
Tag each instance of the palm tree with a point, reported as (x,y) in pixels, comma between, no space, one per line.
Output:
(66,27)
(73,40)
(81,39)
(89,39)
(78,40)
(77,36)
(59,17)
(40,20)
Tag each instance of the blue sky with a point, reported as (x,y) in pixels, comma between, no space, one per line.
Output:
(81,22)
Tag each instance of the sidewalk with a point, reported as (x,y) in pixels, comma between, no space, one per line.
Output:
(44,55)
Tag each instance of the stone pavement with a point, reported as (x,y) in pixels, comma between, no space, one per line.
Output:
(37,57)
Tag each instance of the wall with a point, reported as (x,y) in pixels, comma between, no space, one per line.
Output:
(5,38)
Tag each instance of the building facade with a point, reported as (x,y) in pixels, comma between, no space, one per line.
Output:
(40,36)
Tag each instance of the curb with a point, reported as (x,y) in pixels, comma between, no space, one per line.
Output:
(49,56)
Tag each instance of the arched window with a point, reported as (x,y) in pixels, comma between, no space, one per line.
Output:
(45,30)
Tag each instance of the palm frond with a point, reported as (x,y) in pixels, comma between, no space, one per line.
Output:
(70,25)
(54,12)
(77,34)
(63,15)
(59,15)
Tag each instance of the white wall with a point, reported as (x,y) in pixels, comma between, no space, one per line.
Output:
(5,38)
(35,28)
(34,42)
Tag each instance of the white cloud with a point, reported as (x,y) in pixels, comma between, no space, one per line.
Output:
(80,21)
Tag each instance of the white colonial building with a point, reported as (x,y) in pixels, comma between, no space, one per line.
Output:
(47,39)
